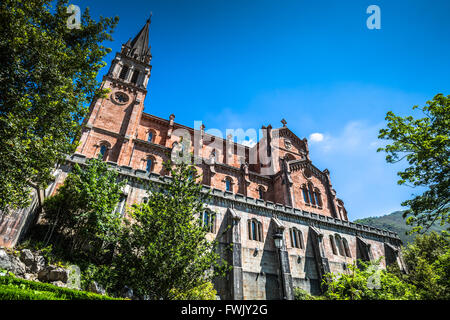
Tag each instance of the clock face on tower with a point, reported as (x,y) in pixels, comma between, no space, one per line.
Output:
(120,97)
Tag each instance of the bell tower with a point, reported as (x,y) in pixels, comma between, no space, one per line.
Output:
(111,125)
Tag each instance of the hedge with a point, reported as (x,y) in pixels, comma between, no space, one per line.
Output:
(12,288)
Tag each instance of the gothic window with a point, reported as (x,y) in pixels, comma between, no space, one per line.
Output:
(149,165)
(135,76)
(311,195)
(208,219)
(318,198)
(255,230)
(103,154)
(296,238)
(346,248)
(339,245)
(150,136)
(261,192)
(228,184)
(333,244)
(305,194)
(123,72)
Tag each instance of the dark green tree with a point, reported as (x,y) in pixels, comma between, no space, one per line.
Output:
(425,144)
(47,78)
(83,223)
(164,251)
(428,262)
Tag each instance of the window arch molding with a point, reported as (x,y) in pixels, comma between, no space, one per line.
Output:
(262,192)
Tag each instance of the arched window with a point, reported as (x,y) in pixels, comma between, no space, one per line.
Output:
(346,248)
(123,72)
(333,245)
(296,238)
(339,245)
(150,136)
(228,184)
(261,192)
(208,221)
(149,165)
(103,154)
(305,194)
(317,198)
(254,230)
(311,195)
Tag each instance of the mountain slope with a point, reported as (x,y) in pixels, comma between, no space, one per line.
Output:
(395,223)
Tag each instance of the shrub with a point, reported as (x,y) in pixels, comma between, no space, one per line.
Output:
(205,291)
(367,283)
(12,288)
(300,294)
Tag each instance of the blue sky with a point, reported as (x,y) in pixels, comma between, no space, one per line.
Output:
(244,64)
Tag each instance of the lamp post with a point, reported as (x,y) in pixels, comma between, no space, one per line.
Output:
(278,239)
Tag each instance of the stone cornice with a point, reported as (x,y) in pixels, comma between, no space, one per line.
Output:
(280,210)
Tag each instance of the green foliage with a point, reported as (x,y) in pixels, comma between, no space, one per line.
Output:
(300,294)
(82,212)
(428,263)
(102,274)
(47,79)
(362,283)
(425,144)
(12,288)
(204,291)
(164,252)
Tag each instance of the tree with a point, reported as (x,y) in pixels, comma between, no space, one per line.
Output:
(163,252)
(82,218)
(428,262)
(47,78)
(425,144)
(368,282)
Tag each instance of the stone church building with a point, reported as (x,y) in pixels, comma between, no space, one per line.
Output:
(279,211)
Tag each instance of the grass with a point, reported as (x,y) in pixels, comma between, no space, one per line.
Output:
(12,288)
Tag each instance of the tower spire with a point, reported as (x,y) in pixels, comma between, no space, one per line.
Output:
(139,47)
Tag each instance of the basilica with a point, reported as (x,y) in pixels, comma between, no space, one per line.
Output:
(282,216)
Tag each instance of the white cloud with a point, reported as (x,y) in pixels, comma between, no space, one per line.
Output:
(316,137)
